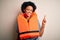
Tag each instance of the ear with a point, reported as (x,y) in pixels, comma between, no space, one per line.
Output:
(24,10)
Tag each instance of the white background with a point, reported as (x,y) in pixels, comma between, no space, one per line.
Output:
(9,10)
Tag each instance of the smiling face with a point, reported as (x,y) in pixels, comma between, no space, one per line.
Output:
(28,10)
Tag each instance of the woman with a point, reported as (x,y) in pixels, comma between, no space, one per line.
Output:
(28,25)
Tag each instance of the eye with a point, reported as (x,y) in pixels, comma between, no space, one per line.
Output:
(31,9)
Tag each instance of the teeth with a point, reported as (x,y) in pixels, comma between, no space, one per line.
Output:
(29,13)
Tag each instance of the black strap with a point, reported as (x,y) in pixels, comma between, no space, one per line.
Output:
(28,32)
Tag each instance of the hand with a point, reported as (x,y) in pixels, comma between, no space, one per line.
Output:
(44,21)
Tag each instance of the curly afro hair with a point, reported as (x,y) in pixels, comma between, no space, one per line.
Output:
(25,4)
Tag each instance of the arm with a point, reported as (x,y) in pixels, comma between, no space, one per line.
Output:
(41,31)
(17,28)
(43,26)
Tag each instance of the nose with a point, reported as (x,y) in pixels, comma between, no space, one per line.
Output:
(29,12)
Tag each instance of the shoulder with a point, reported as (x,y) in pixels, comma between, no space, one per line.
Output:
(34,13)
(20,14)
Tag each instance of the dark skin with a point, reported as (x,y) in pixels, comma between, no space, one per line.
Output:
(28,12)
(43,26)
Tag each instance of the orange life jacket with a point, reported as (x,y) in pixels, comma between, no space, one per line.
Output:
(28,29)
